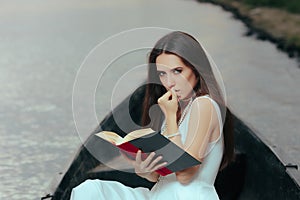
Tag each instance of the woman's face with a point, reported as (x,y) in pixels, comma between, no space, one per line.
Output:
(174,74)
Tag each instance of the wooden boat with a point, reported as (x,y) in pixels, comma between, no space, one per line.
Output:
(257,173)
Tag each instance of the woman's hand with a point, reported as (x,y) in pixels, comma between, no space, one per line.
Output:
(168,103)
(146,168)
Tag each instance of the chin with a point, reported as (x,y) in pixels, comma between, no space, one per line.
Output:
(182,98)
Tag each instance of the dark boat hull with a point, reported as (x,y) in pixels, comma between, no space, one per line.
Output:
(256,173)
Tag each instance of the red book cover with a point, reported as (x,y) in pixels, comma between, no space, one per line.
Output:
(131,151)
(175,156)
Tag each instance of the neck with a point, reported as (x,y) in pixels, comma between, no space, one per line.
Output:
(189,97)
(184,102)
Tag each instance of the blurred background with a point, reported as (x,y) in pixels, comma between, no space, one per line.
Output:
(43,44)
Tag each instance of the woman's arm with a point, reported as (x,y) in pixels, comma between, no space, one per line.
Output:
(202,122)
(169,105)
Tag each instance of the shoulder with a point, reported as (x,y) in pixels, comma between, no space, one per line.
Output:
(202,103)
(204,106)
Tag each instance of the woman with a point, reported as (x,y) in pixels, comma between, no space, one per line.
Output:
(181,81)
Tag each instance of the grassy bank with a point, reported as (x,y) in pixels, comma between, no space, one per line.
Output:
(275,20)
(292,6)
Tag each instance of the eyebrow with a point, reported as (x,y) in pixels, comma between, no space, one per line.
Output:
(175,68)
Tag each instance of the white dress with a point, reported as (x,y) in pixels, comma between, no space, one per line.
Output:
(201,187)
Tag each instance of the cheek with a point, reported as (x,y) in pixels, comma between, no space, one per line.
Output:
(163,82)
(192,80)
(188,82)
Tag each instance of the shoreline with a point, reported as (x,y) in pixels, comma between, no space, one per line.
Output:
(265,29)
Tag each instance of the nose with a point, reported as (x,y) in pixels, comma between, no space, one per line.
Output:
(170,82)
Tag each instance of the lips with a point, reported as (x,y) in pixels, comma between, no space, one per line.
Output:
(177,93)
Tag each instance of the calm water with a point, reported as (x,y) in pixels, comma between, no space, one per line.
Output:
(44,43)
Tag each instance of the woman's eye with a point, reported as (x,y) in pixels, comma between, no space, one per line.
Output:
(161,73)
(177,71)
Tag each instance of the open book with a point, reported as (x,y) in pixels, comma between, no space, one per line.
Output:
(148,140)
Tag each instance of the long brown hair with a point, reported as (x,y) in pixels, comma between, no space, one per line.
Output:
(192,55)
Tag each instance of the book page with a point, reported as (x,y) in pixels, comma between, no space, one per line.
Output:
(110,137)
(137,134)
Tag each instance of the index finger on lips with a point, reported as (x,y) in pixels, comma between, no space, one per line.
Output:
(167,95)
(174,95)
(164,97)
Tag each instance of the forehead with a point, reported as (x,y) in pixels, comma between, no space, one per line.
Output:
(169,61)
